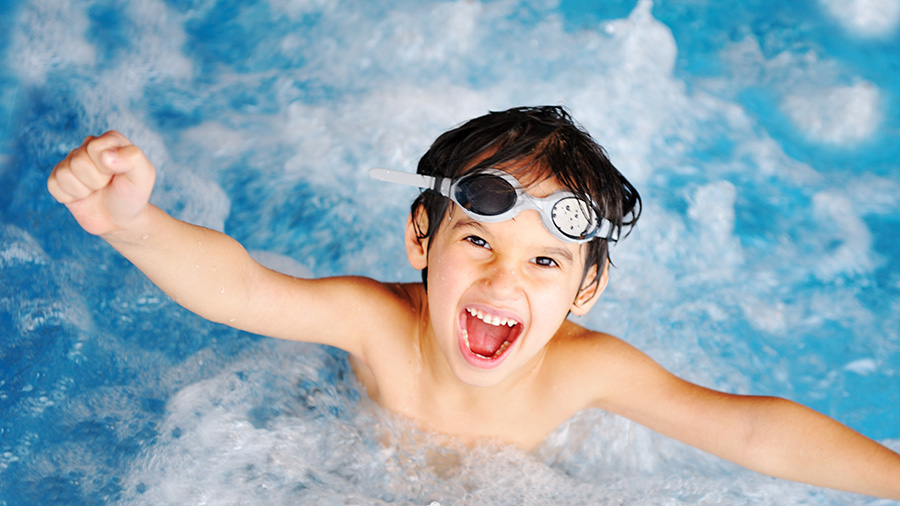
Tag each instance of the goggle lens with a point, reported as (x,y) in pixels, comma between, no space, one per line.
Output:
(485,194)
(574,218)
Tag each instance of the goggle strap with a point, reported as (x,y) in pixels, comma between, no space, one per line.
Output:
(606,227)
(438,184)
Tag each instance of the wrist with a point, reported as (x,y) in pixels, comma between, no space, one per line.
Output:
(136,230)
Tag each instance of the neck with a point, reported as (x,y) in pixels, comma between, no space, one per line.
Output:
(451,390)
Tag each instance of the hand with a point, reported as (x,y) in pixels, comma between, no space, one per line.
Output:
(105,183)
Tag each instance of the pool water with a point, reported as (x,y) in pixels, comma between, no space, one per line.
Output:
(763,137)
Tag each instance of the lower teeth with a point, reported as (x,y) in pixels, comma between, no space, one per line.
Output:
(503,348)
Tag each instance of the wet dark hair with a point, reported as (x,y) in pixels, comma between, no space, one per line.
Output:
(549,144)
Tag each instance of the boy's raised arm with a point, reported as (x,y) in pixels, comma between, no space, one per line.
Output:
(769,435)
(106,184)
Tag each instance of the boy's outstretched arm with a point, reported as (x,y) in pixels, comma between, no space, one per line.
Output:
(106,184)
(769,435)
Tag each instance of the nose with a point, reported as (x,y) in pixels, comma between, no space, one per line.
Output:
(501,281)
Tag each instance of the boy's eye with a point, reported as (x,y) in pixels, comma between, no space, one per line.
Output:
(478,241)
(545,262)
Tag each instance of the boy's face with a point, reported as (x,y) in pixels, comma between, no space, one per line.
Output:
(498,292)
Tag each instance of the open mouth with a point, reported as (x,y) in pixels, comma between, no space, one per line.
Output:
(486,336)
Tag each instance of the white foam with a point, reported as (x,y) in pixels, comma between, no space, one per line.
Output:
(837,115)
(298,8)
(18,247)
(817,94)
(48,36)
(866,18)
(765,315)
(873,194)
(863,366)
(645,42)
(712,209)
(161,34)
(841,222)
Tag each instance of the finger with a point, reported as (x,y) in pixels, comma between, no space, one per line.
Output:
(53,183)
(134,174)
(86,171)
(56,191)
(65,187)
(98,150)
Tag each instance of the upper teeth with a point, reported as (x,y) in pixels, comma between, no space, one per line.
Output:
(490,319)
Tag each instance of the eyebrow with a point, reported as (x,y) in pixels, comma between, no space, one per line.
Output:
(560,252)
(465,221)
(551,251)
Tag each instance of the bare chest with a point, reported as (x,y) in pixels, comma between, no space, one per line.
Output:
(524,417)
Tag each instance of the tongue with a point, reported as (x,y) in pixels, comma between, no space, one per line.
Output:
(485,339)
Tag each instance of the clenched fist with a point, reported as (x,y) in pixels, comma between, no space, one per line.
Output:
(106,183)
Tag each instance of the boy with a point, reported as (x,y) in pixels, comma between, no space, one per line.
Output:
(511,236)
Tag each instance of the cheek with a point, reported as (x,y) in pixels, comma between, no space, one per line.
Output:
(555,301)
(560,296)
(446,277)
(440,269)
(447,264)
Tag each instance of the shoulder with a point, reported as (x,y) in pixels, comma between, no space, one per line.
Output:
(579,347)
(378,304)
(601,370)
(393,314)
(406,301)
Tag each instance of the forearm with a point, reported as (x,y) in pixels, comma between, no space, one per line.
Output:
(203,270)
(790,441)
(766,434)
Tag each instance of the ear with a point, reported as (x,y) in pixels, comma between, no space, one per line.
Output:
(416,249)
(590,291)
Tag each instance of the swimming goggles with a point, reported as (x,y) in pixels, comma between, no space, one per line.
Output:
(491,196)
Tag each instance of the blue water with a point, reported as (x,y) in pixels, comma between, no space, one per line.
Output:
(762,135)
